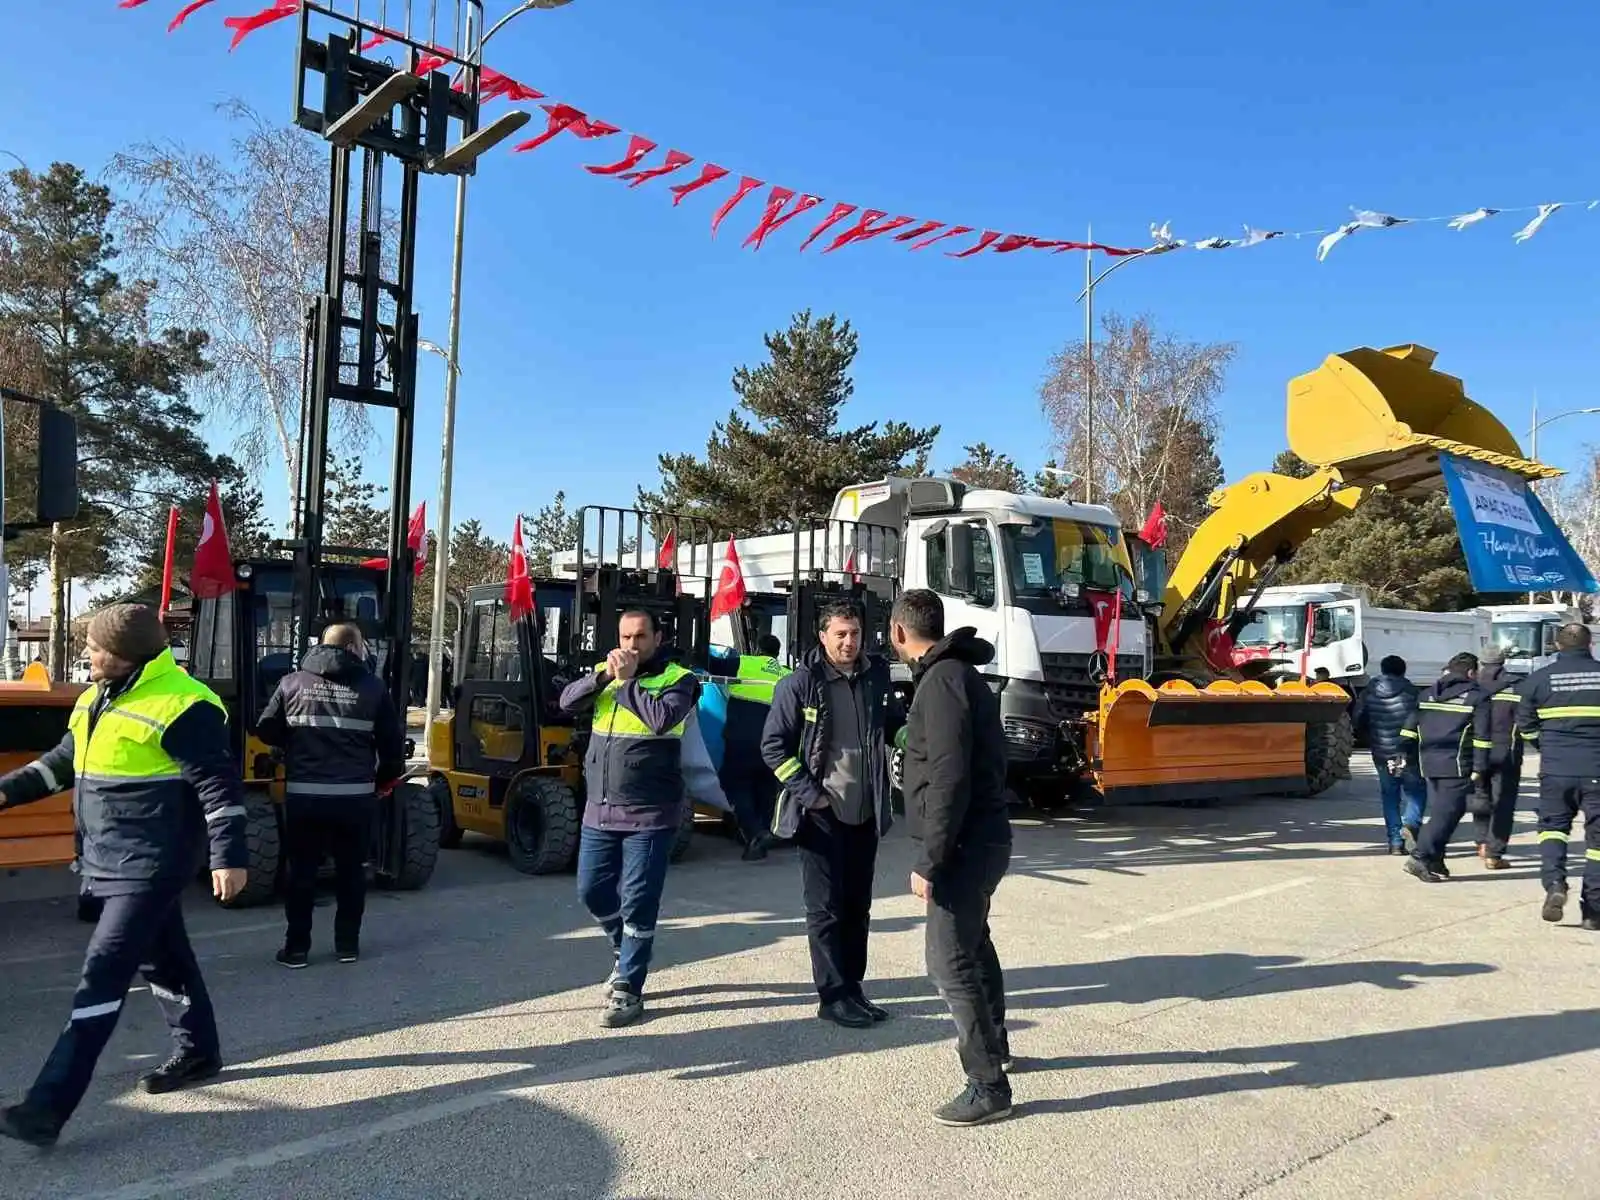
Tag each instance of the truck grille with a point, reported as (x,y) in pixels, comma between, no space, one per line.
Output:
(1067,684)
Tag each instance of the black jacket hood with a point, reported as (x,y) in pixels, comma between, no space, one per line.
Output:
(1493,678)
(962,644)
(332,662)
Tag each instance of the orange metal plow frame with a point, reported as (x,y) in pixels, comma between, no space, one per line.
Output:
(34,709)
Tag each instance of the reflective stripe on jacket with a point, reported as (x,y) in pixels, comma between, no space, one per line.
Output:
(1560,712)
(1442,727)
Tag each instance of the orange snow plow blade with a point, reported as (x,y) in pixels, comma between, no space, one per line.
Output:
(33,719)
(1180,742)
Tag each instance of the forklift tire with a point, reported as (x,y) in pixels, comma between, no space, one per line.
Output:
(265,839)
(418,813)
(449,832)
(680,844)
(541,825)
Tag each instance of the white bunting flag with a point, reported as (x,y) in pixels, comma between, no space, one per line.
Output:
(1532,227)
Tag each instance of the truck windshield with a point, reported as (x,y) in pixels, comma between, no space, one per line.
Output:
(1522,639)
(1050,552)
(1272,625)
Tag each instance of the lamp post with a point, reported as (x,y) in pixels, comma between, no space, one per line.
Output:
(474,52)
(1090,282)
(1533,432)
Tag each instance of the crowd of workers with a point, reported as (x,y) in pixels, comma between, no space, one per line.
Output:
(147,752)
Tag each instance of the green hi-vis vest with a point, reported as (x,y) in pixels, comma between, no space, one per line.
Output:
(758,676)
(613,720)
(125,745)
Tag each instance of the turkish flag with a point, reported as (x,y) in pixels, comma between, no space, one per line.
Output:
(212,575)
(730,593)
(1154,531)
(667,559)
(1103,605)
(243,27)
(416,538)
(519,585)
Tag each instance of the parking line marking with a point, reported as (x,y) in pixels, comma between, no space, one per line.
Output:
(1196,909)
(338,1139)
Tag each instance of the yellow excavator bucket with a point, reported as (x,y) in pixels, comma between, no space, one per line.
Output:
(1181,742)
(1385,416)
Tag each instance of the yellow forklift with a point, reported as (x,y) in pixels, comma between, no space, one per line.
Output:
(361,349)
(505,761)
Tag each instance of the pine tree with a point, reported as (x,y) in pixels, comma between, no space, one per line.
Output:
(355,517)
(781,456)
(93,353)
(986,467)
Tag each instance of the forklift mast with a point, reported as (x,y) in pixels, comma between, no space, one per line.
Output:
(362,330)
(616,572)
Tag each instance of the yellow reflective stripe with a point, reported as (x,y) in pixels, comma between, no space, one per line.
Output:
(1570,710)
(1449,706)
(788,769)
(1552,835)
(612,719)
(1592,855)
(1507,697)
(1410,733)
(126,739)
(809,714)
(1480,744)
(1530,737)
(760,693)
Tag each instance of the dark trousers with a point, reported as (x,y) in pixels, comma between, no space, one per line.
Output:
(313,833)
(963,964)
(1492,828)
(752,791)
(1560,800)
(138,933)
(621,876)
(1447,804)
(836,864)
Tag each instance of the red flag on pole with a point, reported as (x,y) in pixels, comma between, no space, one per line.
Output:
(519,585)
(1154,532)
(212,575)
(1100,605)
(166,562)
(416,539)
(730,593)
(1116,639)
(668,557)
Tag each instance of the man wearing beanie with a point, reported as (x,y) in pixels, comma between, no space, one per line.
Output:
(147,750)
(1496,758)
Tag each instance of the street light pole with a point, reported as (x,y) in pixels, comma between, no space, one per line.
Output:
(473,45)
(1533,432)
(1086,298)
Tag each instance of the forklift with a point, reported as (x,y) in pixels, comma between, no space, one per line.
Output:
(506,762)
(362,346)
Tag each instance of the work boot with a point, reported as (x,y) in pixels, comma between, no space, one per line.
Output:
(1592,924)
(755,850)
(1426,872)
(613,980)
(978,1104)
(348,953)
(1493,862)
(623,1008)
(29,1125)
(847,1013)
(295,960)
(180,1071)
(1555,903)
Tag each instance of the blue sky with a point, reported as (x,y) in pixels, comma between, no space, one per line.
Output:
(602,325)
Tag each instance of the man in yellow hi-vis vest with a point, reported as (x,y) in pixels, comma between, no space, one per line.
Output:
(147,752)
(644,708)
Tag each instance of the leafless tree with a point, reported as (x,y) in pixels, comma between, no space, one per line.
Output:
(1155,418)
(1574,502)
(238,249)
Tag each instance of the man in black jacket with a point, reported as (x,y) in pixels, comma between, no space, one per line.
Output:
(1442,729)
(1560,716)
(825,740)
(1380,714)
(147,752)
(1496,759)
(955,793)
(343,743)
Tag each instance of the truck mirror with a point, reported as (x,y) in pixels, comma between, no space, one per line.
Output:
(958,551)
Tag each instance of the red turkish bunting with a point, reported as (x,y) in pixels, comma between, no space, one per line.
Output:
(676,160)
(839,213)
(771,220)
(709,174)
(243,27)
(638,147)
(184,13)
(747,185)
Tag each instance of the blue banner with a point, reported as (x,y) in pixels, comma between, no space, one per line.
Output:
(1512,544)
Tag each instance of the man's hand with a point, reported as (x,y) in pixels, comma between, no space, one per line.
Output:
(627,665)
(1397,766)
(227,883)
(920,887)
(1477,777)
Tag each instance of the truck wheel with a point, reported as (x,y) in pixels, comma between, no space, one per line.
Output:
(680,845)
(1328,749)
(418,813)
(449,831)
(541,825)
(265,838)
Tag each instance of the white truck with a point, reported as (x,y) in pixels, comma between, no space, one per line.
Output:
(1527,632)
(1342,636)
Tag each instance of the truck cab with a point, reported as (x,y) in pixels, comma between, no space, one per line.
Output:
(1527,633)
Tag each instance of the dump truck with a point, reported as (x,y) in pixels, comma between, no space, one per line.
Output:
(38,486)
(1119,680)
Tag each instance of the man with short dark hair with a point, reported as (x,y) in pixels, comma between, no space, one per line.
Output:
(1381,712)
(955,794)
(1496,758)
(343,743)
(825,740)
(1442,729)
(147,752)
(634,772)
(1560,716)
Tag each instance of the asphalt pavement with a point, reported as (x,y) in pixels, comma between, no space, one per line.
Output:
(1247,1000)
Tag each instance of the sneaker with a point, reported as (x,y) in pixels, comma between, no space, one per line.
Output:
(180,1071)
(1493,862)
(613,980)
(975,1106)
(1592,924)
(755,850)
(1398,848)
(1555,903)
(28,1125)
(1427,872)
(348,954)
(622,1008)
(295,960)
